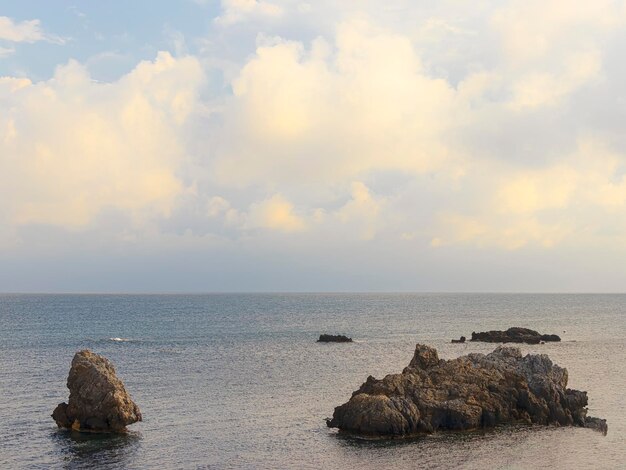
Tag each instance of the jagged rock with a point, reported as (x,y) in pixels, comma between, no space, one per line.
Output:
(334,339)
(98,400)
(470,392)
(597,424)
(513,335)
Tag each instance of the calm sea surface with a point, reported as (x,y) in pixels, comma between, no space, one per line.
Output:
(238,381)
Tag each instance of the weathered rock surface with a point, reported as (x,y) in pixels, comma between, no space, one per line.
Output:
(334,339)
(470,392)
(513,335)
(98,400)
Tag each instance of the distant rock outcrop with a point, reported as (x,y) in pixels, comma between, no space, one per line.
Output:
(513,335)
(334,339)
(470,392)
(98,400)
(460,340)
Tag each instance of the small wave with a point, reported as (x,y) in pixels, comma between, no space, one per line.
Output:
(120,340)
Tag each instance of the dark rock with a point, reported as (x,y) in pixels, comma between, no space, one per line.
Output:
(470,392)
(98,400)
(460,340)
(334,339)
(550,338)
(597,424)
(513,335)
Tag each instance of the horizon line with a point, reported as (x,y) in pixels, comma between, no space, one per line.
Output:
(296,292)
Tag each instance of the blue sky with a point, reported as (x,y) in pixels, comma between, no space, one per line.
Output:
(285,145)
(123,32)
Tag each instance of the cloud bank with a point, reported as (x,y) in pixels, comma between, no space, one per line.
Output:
(296,128)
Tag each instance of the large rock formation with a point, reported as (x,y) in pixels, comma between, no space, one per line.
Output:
(473,391)
(513,335)
(334,339)
(98,400)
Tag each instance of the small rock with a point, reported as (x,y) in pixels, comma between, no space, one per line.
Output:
(597,424)
(460,340)
(98,400)
(513,335)
(334,339)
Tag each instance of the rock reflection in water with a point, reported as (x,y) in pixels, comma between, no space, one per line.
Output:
(90,450)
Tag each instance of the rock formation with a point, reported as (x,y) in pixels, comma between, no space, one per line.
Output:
(98,400)
(470,392)
(513,335)
(334,339)
(460,340)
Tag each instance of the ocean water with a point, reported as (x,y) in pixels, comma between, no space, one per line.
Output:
(238,380)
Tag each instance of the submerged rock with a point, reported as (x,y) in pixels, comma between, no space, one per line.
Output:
(470,392)
(513,335)
(334,339)
(98,400)
(597,424)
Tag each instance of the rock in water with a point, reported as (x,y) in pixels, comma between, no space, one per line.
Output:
(98,400)
(513,335)
(470,392)
(334,339)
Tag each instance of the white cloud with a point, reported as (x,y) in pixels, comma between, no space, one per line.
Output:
(334,112)
(275,213)
(537,89)
(26,31)
(499,233)
(71,148)
(362,211)
(235,11)
(573,202)
(220,207)
(533,30)
(529,191)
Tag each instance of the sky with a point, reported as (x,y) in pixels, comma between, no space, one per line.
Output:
(285,145)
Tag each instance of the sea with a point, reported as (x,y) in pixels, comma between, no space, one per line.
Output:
(238,381)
